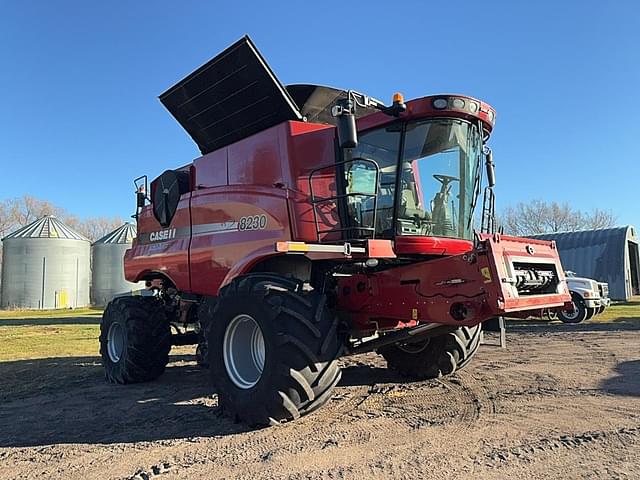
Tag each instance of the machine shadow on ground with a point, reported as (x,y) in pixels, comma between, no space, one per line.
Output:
(67,400)
(626,380)
(362,374)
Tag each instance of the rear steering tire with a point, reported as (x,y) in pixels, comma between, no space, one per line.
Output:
(273,350)
(434,357)
(135,339)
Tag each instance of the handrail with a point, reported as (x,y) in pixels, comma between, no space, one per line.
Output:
(315,201)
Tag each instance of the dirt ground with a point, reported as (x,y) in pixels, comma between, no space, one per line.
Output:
(560,401)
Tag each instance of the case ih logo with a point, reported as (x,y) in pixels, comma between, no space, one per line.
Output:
(167,234)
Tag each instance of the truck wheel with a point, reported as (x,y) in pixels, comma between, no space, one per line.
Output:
(601,309)
(434,357)
(591,311)
(273,350)
(135,339)
(578,314)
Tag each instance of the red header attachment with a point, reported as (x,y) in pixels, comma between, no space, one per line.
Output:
(500,275)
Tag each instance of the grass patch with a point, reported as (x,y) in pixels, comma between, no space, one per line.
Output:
(67,313)
(28,342)
(621,313)
(617,312)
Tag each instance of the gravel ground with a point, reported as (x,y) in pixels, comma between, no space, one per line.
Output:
(560,401)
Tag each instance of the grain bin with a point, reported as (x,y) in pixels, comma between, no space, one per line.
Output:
(45,265)
(108,265)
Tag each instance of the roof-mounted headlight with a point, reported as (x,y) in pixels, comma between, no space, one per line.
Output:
(439,103)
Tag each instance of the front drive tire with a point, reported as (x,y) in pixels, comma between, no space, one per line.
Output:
(135,339)
(273,350)
(434,357)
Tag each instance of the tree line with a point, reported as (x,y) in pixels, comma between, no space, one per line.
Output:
(18,212)
(538,216)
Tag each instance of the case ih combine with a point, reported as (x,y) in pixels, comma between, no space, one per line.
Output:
(318,223)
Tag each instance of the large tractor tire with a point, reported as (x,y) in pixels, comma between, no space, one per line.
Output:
(434,357)
(577,314)
(273,350)
(135,339)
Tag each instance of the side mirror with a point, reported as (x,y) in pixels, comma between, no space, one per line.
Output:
(346,124)
(491,169)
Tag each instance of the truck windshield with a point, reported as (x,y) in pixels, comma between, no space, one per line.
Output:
(429,185)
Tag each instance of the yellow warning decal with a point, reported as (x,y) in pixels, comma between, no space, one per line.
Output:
(486,273)
(414,314)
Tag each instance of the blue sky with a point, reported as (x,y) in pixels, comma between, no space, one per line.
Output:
(80,118)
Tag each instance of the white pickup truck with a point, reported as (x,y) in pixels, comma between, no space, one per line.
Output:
(589,298)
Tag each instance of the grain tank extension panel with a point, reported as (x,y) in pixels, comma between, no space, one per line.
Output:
(229,98)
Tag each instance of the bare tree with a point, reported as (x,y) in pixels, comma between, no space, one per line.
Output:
(27,209)
(537,217)
(600,219)
(6,218)
(98,227)
(18,212)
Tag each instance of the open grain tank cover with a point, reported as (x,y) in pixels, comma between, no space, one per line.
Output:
(231,97)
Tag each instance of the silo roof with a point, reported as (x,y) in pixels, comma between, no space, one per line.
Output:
(47,227)
(123,234)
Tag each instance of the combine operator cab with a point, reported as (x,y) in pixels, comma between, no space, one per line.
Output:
(318,222)
(414,178)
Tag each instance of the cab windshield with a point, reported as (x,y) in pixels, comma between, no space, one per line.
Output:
(427,178)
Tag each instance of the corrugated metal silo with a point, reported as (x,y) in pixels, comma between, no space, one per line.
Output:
(108,269)
(45,265)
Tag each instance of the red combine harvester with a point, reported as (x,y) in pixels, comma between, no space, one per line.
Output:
(318,223)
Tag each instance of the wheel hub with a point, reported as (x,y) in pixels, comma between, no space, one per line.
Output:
(115,342)
(243,351)
(571,314)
